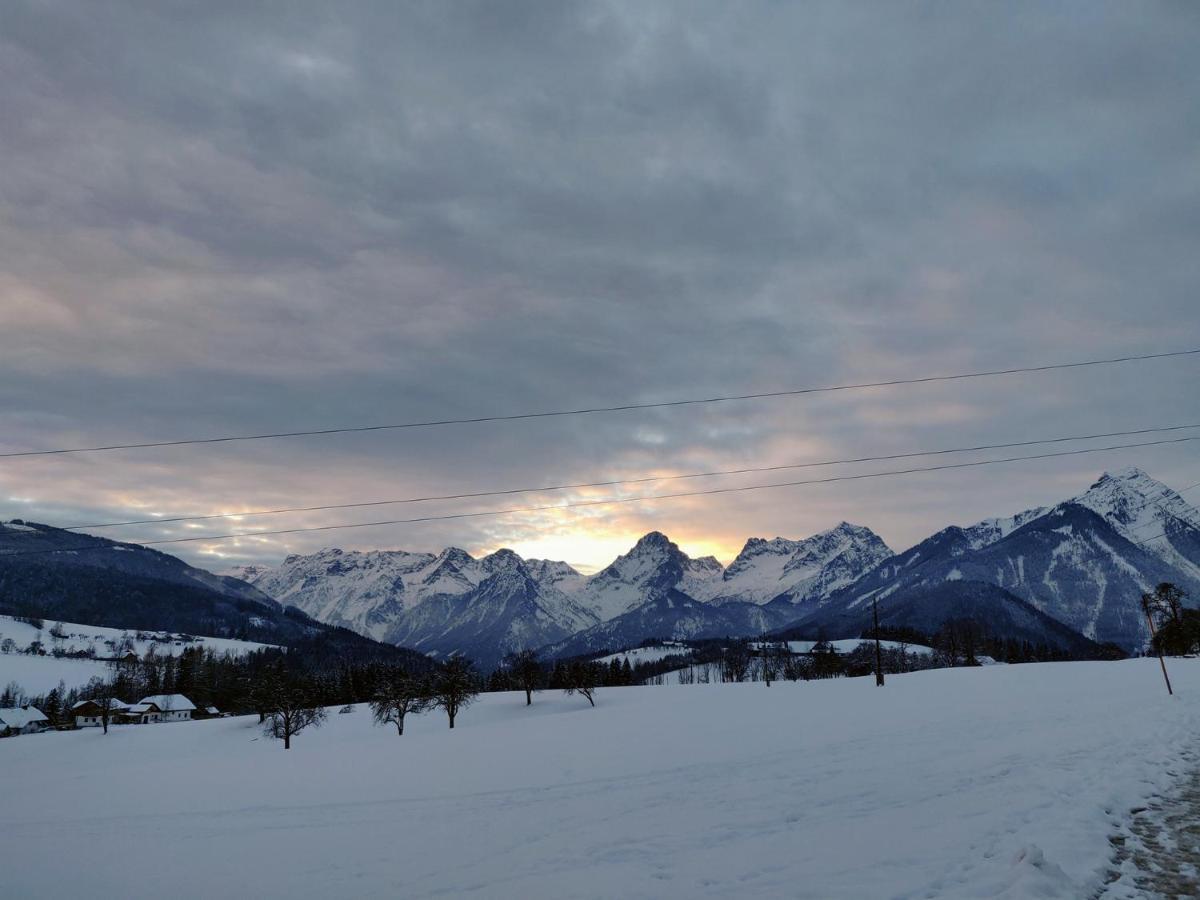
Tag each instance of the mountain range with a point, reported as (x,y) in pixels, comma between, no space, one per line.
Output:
(51,573)
(1082,563)
(1068,575)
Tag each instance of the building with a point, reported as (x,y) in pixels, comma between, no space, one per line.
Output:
(89,713)
(140,714)
(22,720)
(171,707)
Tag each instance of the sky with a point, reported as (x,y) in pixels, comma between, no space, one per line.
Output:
(232,218)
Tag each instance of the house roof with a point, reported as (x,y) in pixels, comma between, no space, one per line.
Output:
(144,707)
(113,704)
(19,717)
(170,702)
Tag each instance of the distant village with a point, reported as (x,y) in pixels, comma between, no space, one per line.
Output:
(94,713)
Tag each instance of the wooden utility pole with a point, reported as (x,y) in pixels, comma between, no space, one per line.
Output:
(878,648)
(1150,621)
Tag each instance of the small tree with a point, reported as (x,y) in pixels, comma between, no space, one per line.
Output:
(526,671)
(103,693)
(455,686)
(582,677)
(1178,638)
(289,708)
(397,697)
(1167,601)
(736,663)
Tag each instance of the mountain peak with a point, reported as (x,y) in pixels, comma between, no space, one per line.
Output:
(653,539)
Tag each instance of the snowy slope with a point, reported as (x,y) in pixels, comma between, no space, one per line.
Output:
(38,674)
(1007,781)
(1149,513)
(110,643)
(646,573)
(415,598)
(806,570)
(1085,562)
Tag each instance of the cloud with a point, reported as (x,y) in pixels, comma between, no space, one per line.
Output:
(233,219)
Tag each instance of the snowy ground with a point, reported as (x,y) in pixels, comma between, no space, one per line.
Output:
(41,674)
(647,654)
(1004,781)
(109,642)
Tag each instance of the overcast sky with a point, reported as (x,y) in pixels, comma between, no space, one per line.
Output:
(227,218)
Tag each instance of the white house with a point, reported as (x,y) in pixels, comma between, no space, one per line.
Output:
(22,720)
(140,714)
(89,713)
(172,707)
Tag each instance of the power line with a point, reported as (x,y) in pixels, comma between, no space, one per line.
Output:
(435,423)
(627,481)
(619,500)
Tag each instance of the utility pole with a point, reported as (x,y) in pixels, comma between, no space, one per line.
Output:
(878,648)
(1150,622)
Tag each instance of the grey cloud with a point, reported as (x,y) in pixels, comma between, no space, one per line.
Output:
(243,217)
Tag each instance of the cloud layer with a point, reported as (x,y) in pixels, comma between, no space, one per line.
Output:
(227,220)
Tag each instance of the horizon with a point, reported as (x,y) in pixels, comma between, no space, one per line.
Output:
(628,542)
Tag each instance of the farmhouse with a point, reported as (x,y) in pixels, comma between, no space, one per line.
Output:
(171,707)
(89,713)
(140,714)
(22,720)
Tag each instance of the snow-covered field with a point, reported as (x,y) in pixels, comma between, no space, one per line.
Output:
(647,654)
(39,674)
(849,645)
(1003,781)
(110,642)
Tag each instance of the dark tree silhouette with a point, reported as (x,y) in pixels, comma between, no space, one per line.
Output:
(526,671)
(1166,601)
(582,677)
(290,707)
(397,697)
(455,686)
(735,665)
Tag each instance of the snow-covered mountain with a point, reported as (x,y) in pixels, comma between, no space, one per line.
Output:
(1148,513)
(1085,561)
(452,602)
(439,603)
(653,567)
(800,571)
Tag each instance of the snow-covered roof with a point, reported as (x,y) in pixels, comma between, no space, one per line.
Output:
(19,717)
(144,707)
(170,702)
(211,710)
(113,703)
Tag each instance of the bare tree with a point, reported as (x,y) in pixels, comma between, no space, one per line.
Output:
(103,693)
(289,708)
(582,678)
(399,696)
(527,671)
(455,686)
(773,659)
(736,662)
(1166,600)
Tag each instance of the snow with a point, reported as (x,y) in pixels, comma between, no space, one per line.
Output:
(170,702)
(19,717)
(998,782)
(647,654)
(98,638)
(39,674)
